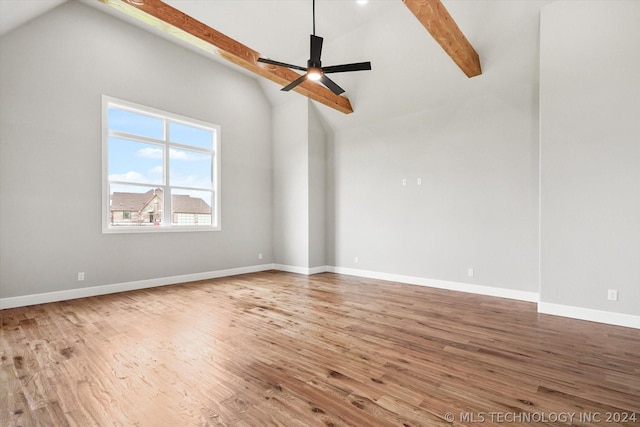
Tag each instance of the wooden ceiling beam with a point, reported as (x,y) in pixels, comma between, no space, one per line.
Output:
(173,21)
(436,19)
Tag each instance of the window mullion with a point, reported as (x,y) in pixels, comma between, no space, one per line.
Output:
(166,202)
(132,137)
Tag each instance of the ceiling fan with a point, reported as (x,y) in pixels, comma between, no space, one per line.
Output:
(314,69)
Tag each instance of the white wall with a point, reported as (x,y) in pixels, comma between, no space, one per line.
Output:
(317,190)
(53,72)
(299,180)
(590,155)
(476,207)
(291,183)
(474,144)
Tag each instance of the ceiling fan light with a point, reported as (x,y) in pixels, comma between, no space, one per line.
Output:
(314,74)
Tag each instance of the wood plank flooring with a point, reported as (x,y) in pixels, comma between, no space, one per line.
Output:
(282,349)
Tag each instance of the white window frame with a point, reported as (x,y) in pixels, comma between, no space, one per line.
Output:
(166,225)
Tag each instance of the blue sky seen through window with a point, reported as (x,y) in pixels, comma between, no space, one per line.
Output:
(132,161)
(135,123)
(142,162)
(190,135)
(190,169)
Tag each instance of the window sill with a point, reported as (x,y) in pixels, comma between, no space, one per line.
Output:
(156,229)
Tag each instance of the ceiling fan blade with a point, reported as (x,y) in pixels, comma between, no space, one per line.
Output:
(359,66)
(281,64)
(333,87)
(316,48)
(294,83)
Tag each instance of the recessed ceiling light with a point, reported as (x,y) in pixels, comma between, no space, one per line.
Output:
(362,2)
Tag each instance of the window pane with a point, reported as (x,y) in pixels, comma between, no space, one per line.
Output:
(148,152)
(135,162)
(135,123)
(135,205)
(190,135)
(191,207)
(190,169)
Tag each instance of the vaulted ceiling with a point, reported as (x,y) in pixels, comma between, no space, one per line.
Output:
(411,72)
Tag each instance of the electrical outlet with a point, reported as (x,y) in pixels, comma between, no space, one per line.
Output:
(419,181)
(470,272)
(260,255)
(404,182)
(356,259)
(81,276)
(612,295)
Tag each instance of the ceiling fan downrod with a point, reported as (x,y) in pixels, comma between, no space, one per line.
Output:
(314,17)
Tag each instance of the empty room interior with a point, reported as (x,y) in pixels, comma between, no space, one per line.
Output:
(443,229)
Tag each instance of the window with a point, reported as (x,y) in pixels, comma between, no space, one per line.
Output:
(160,170)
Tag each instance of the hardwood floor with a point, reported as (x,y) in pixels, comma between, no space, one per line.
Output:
(275,348)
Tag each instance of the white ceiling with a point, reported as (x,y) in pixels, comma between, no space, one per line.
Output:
(14,13)
(410,71)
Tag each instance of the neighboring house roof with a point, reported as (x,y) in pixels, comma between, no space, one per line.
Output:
(187,204)
(182,203)
(133,201)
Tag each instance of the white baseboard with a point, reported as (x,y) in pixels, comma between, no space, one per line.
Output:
(301,270)
(619,319)
(441,284)
(68,294)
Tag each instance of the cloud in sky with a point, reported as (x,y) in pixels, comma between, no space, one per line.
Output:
(131,176)
(187,155)
(149,153)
